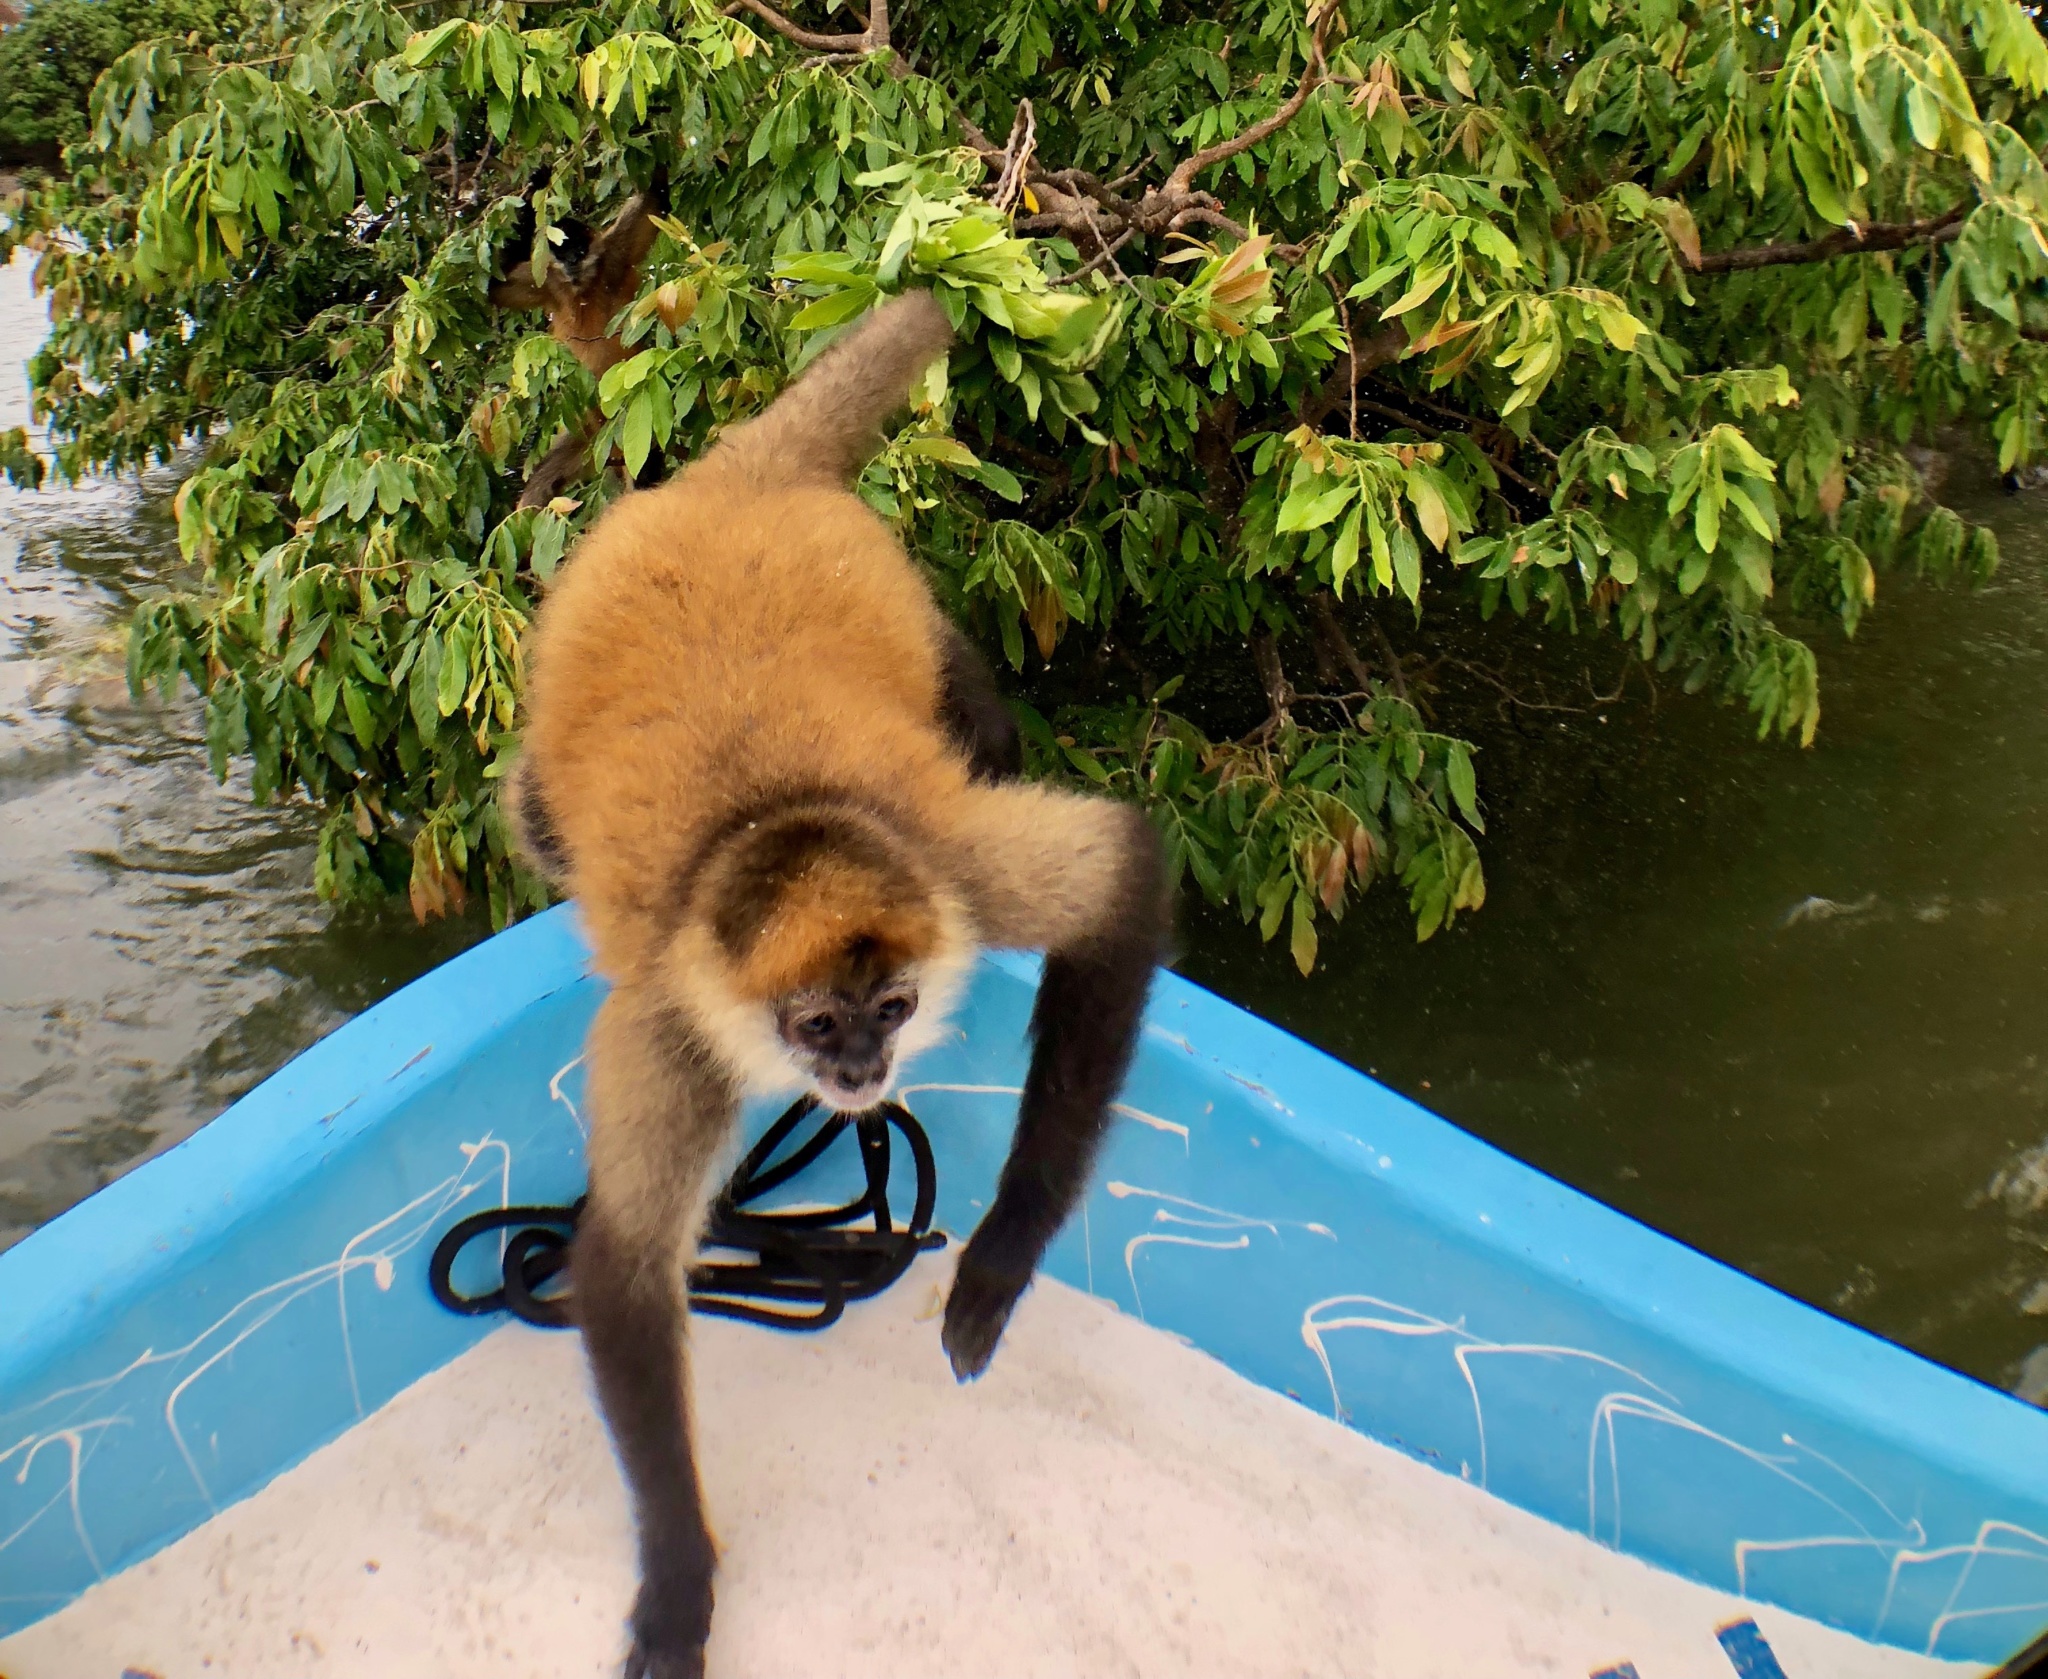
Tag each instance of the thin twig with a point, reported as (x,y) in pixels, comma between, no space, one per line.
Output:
(1493,680)
(1106,255)
(1469,422)
(1016,158)
(1350,362)
(1331,641)
(1393,659)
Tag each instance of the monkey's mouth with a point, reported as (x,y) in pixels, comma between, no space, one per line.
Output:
(851,1099)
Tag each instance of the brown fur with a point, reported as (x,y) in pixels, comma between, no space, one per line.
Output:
(745,760)
(741,635)
(581,301)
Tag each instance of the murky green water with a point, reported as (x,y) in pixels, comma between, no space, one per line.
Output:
(1786,1005)
(1791,1007)
(160,947)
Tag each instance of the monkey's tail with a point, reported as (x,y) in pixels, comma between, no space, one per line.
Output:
(824,427)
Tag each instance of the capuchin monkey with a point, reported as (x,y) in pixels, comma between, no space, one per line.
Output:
(587,284)
(781,788)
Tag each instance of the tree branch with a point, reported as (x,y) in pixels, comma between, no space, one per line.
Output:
(1389,344)
(1334,652)
(1849,241)
(1182,179)
(1095,214)
(873,38)
(1279,691)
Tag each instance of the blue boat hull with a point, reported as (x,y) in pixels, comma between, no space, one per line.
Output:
(170,1345)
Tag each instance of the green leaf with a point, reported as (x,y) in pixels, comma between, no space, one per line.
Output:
(1427,284)
(362,724)
(1430,512)
(454,672)
(997,478)
(1923,114)
(1316,504)
(636,436)
(426,679)
(834,308)
(1407,563)
(1464,785)
(1344,555)
(1820,185)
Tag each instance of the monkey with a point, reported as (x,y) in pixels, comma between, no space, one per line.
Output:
(785,795)
(587,283)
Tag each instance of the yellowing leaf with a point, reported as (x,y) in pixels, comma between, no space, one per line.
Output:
(1430,512)
(1425,286)
(1301,943)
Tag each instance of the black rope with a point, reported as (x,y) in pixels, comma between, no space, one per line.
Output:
(807,1265)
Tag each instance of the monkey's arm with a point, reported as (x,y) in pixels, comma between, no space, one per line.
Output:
(624,244)
(974,712)
(517,290)
(1084,880)
(659,1114)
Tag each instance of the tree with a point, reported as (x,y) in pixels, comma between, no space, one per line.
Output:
(1617,313)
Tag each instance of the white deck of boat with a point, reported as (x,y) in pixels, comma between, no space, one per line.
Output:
(1105,1502)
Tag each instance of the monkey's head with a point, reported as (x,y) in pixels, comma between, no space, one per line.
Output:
(824,958)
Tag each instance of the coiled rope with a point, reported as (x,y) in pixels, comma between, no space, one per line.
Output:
(807,1262)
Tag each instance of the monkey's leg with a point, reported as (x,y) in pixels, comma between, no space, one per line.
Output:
(566,461)
(1085,880)
(974,712)
(659,1118)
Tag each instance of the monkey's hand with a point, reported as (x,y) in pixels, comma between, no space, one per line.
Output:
(983,1297)
(670,1628)
(646,1663)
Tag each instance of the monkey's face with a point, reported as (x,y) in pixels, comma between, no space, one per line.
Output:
(844,1039)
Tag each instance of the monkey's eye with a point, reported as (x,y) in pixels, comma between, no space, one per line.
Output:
(816,1025)
(891,1010)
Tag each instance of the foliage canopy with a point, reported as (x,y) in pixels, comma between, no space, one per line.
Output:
(55,50)
(1618,313)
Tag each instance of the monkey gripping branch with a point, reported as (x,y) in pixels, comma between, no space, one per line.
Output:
(1272,319)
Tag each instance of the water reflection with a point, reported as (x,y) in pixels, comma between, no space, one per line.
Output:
(160,947)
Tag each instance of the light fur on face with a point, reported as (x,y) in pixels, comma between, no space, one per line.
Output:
(742,1033)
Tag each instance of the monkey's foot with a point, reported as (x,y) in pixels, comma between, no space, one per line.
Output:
(976,1311)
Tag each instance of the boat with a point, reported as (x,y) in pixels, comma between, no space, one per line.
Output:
(1316,1382)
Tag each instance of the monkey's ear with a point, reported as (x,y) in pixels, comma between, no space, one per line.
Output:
(517,290)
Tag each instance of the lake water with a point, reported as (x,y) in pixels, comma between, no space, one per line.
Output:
(160,946)
(1784,1005)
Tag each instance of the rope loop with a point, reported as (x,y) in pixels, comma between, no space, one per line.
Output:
(807,1264)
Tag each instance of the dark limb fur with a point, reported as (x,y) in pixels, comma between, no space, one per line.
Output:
(533,826)
(660,1116)
(562,465)
(975,714)
(1091,1003)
